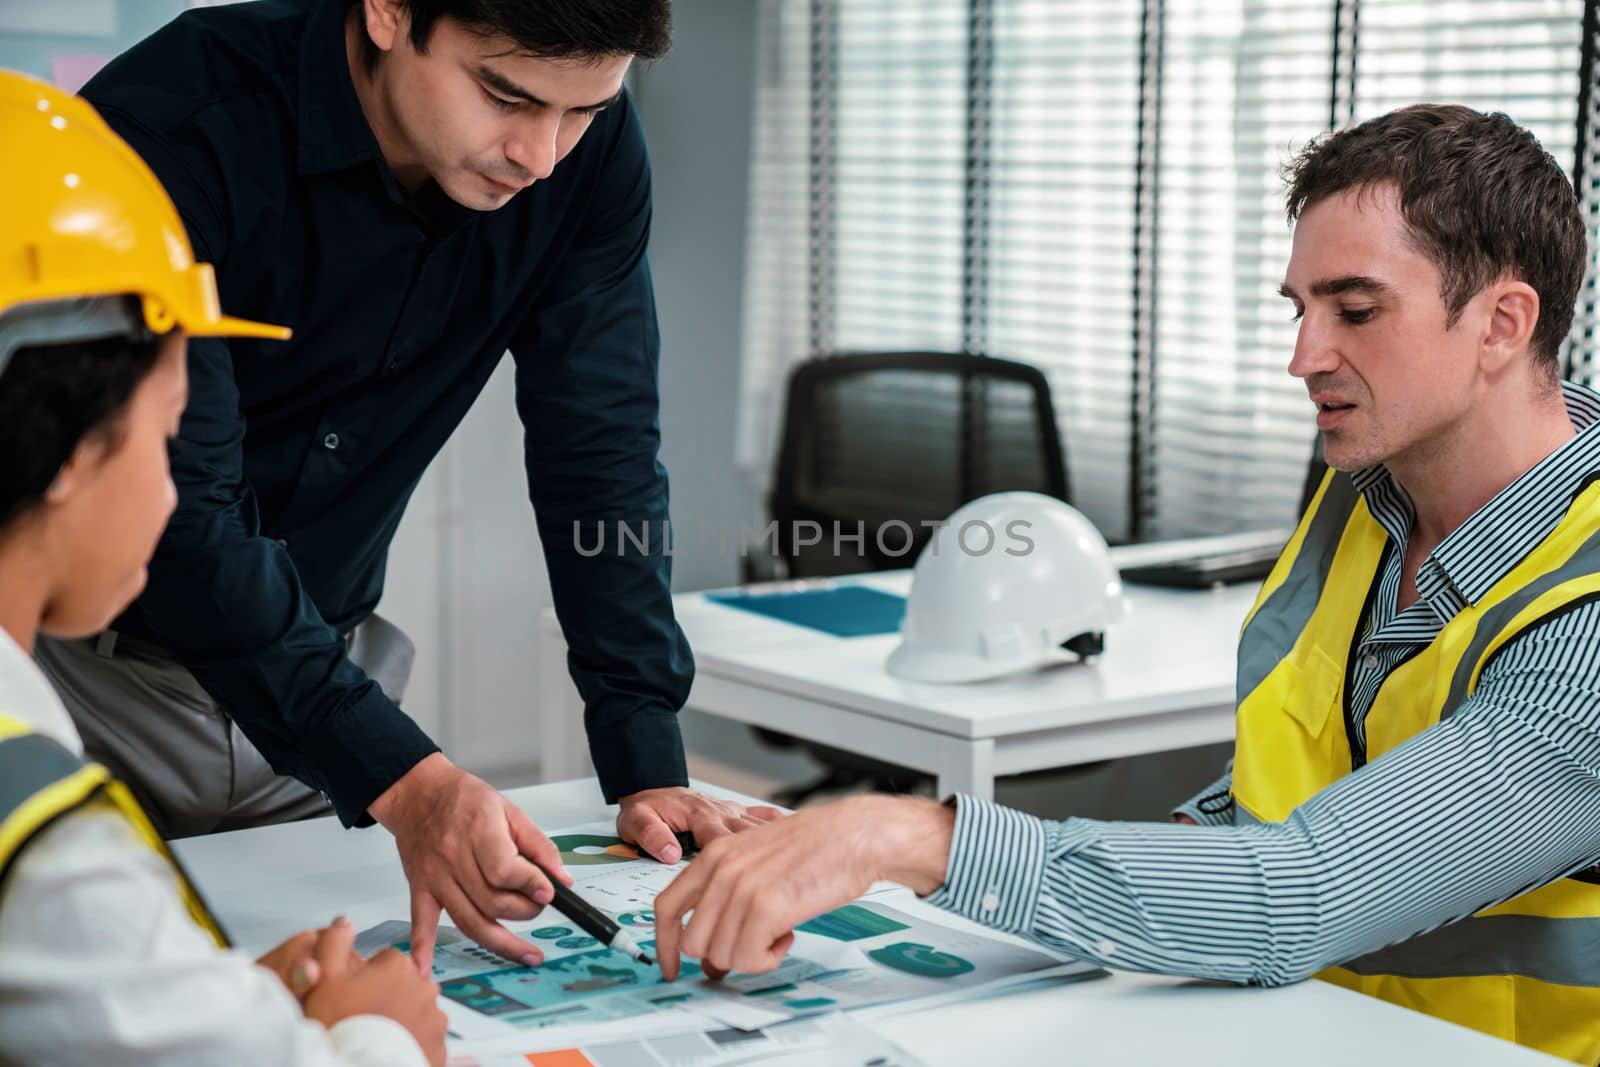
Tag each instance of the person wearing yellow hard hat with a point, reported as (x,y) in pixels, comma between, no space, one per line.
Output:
(417,187)
(106,948)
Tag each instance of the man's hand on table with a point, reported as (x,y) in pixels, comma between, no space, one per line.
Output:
(470,851)
(748,893)
(650,818)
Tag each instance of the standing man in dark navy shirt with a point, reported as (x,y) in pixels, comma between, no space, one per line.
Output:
(414,187)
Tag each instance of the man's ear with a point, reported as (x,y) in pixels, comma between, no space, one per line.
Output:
(1512,317)
(77,471)
(386,23)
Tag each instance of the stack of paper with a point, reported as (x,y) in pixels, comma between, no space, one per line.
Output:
(864,954)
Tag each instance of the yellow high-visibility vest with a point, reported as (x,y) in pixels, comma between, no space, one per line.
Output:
(40,781)
(1525,970)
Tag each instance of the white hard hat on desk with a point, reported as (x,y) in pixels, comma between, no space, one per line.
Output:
(1004,586)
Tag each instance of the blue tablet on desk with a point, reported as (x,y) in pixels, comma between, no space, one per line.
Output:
(843,611)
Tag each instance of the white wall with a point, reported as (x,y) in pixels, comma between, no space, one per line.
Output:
(696,105)
(467,581)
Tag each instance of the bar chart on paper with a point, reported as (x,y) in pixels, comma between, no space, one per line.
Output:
(862,954)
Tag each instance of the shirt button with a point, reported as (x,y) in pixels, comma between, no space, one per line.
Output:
(990,901)
(1106,948)
(1370,661)
(331,442)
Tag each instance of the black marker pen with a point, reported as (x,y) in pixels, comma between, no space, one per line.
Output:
(596,923)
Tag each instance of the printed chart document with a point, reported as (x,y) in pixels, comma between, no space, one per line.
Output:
(867,953)
(836,1040)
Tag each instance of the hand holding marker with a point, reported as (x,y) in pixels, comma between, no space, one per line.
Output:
(600,926)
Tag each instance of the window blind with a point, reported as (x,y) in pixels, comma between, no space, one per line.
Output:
(1244,83)
(1581,360)
(1516,56)
(1061,185)
(1092,186)
(898,174)
(778,226)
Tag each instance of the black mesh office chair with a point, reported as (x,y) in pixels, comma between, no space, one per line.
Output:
(889,441)
(893,440)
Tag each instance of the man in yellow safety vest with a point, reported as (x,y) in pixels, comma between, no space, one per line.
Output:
(1414,799)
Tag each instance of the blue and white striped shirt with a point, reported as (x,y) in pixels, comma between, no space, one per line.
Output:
(1502,796)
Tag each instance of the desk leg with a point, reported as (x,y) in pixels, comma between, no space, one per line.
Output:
(563,745)
(967,768)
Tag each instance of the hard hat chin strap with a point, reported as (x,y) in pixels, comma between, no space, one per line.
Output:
(55,322)
(1086,644)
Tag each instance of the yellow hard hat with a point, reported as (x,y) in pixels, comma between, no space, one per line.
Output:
(81,215)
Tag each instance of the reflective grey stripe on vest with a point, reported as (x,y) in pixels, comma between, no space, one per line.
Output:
(1277,624)
(1562,951)
(29,763)
(1586,560)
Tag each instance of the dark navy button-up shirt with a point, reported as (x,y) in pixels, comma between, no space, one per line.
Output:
(296,459)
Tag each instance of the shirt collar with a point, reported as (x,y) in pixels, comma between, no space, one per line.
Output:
(1499,535)
(333,130)
(25,694)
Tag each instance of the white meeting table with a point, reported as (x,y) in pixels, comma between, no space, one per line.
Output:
(1164,682)
(270,882)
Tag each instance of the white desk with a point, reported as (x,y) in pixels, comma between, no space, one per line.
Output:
(1165,682)
(271,882)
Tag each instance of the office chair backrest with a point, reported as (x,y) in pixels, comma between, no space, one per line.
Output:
(895,440)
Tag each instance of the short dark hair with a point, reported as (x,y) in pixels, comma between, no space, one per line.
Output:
(550,29)
(53,397)
(1480,196)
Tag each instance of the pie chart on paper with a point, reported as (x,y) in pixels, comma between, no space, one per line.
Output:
(925,961)
(590,849)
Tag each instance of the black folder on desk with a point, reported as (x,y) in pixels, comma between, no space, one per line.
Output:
(1205,568)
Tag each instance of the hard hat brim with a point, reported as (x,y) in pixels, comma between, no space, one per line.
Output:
(944,667)
(226,326)
(193,306)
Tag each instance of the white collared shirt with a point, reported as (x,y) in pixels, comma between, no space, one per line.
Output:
(100,963)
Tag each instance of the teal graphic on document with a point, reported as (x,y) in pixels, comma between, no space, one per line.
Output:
(851,923)
(925,961)
(555,984)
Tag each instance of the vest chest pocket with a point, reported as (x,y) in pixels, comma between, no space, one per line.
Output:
(1286,750)
(1315,684)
